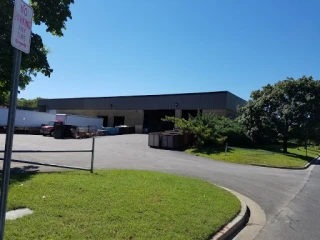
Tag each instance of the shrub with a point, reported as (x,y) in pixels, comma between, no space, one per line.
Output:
(209,129)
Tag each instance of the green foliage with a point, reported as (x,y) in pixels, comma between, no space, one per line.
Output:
(314,135)
(233,130)
(28,103)
(22,103)
(52,13)
(4,97)
(288,109)
(209,129)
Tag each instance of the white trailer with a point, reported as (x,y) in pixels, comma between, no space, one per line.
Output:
(80,121)
(26,119)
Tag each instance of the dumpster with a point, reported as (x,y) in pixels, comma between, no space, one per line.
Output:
(154,139)
(188,140)
(111,130)
(171,140)
(126,130)
(58,130)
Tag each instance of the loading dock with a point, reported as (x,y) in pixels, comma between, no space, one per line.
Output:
(146,111)
(152,120)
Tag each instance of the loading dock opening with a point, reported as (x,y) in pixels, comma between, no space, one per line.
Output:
(118,120)
(152,120)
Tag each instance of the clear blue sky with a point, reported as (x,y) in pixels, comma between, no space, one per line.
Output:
(132,47)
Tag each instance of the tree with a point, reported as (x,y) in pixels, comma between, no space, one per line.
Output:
(23,103)
(233,130)
(54,14)
(28,104)
(282,110)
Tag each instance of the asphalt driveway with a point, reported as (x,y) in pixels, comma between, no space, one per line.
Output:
(290,198)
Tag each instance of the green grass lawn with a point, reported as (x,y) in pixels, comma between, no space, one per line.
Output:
(117,204)
(270,155)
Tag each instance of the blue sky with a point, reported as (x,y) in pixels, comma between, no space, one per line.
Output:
(132,47)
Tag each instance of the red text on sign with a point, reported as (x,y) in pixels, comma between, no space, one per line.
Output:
(24,22)
(24,10)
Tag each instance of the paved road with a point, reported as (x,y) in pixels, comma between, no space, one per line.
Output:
(290,199)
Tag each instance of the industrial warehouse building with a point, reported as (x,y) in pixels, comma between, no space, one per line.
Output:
(146,112)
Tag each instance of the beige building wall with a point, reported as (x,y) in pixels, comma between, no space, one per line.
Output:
(131,117)
(232,114)
(178,113)
(217,112)
(221,112)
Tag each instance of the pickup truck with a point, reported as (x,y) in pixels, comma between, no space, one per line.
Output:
(47,130)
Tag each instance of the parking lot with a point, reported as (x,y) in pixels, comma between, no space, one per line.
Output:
(109,150)
(122,151)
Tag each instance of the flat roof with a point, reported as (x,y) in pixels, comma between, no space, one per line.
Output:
(196,100)
(147,95)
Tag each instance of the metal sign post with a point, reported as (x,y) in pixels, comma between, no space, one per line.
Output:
(20,40)
(92,153)
(9,140)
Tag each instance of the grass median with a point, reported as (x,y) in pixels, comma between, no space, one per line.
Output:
(269,155)
(117,204)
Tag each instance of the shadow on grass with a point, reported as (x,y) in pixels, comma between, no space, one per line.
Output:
(21,174)
(208,151)
(305,158)
(279,150)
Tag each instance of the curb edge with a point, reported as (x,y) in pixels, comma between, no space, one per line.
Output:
(236,224)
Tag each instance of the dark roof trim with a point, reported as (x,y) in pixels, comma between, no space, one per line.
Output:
(130,96)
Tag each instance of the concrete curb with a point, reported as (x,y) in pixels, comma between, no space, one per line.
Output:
(236,224)
(290,168)
(256,221)
(247,224)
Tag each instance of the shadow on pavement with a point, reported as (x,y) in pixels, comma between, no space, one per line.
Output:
(21,174)
(317,162)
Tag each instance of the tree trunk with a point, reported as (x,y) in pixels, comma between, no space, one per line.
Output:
(285,144)
(285,137)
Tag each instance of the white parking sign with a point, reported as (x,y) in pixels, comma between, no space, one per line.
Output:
(21,26)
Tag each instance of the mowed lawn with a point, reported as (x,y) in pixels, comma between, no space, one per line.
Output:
(117,204)
(270,155)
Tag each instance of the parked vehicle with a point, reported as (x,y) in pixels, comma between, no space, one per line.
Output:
(32,121)
(26,119)
(72,120)
(48,129)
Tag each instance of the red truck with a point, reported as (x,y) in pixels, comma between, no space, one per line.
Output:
(74,120)
(48,129)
